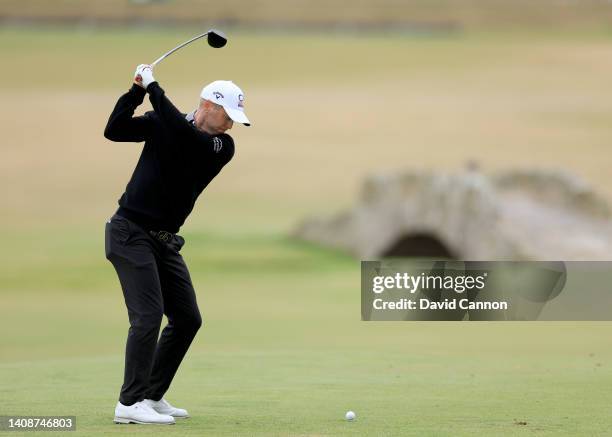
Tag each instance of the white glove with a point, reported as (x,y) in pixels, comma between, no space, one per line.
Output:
(144,75)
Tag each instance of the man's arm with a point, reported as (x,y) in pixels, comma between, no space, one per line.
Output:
(218,147)
(122,125)
(168,114)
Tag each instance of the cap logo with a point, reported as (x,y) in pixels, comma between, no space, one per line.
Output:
(240,100)
(218,95)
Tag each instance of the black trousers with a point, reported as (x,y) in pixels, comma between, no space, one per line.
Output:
(155,281)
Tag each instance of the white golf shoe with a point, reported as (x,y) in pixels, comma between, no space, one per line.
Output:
(163,407)
(142,413)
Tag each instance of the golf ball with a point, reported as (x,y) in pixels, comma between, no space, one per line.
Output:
(350,415)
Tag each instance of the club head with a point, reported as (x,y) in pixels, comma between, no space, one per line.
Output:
(216,38)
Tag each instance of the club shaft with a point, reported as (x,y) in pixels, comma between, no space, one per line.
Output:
(165,55)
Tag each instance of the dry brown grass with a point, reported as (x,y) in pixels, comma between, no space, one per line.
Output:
(460,13)
(505,103)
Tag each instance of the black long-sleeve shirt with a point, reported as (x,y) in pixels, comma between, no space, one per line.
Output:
(177,161)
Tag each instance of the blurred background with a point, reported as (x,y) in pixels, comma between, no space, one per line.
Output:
(335,90)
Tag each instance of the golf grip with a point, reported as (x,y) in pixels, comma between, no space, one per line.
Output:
(165,55)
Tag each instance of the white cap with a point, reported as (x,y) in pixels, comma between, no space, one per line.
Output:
(227,94)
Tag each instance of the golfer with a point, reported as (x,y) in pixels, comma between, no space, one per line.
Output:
(181,155)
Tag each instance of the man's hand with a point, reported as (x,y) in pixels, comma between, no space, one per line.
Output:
(143,76)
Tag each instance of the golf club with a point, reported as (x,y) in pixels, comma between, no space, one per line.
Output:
(216,39)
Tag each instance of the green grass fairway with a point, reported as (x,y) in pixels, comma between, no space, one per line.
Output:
(282,351)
